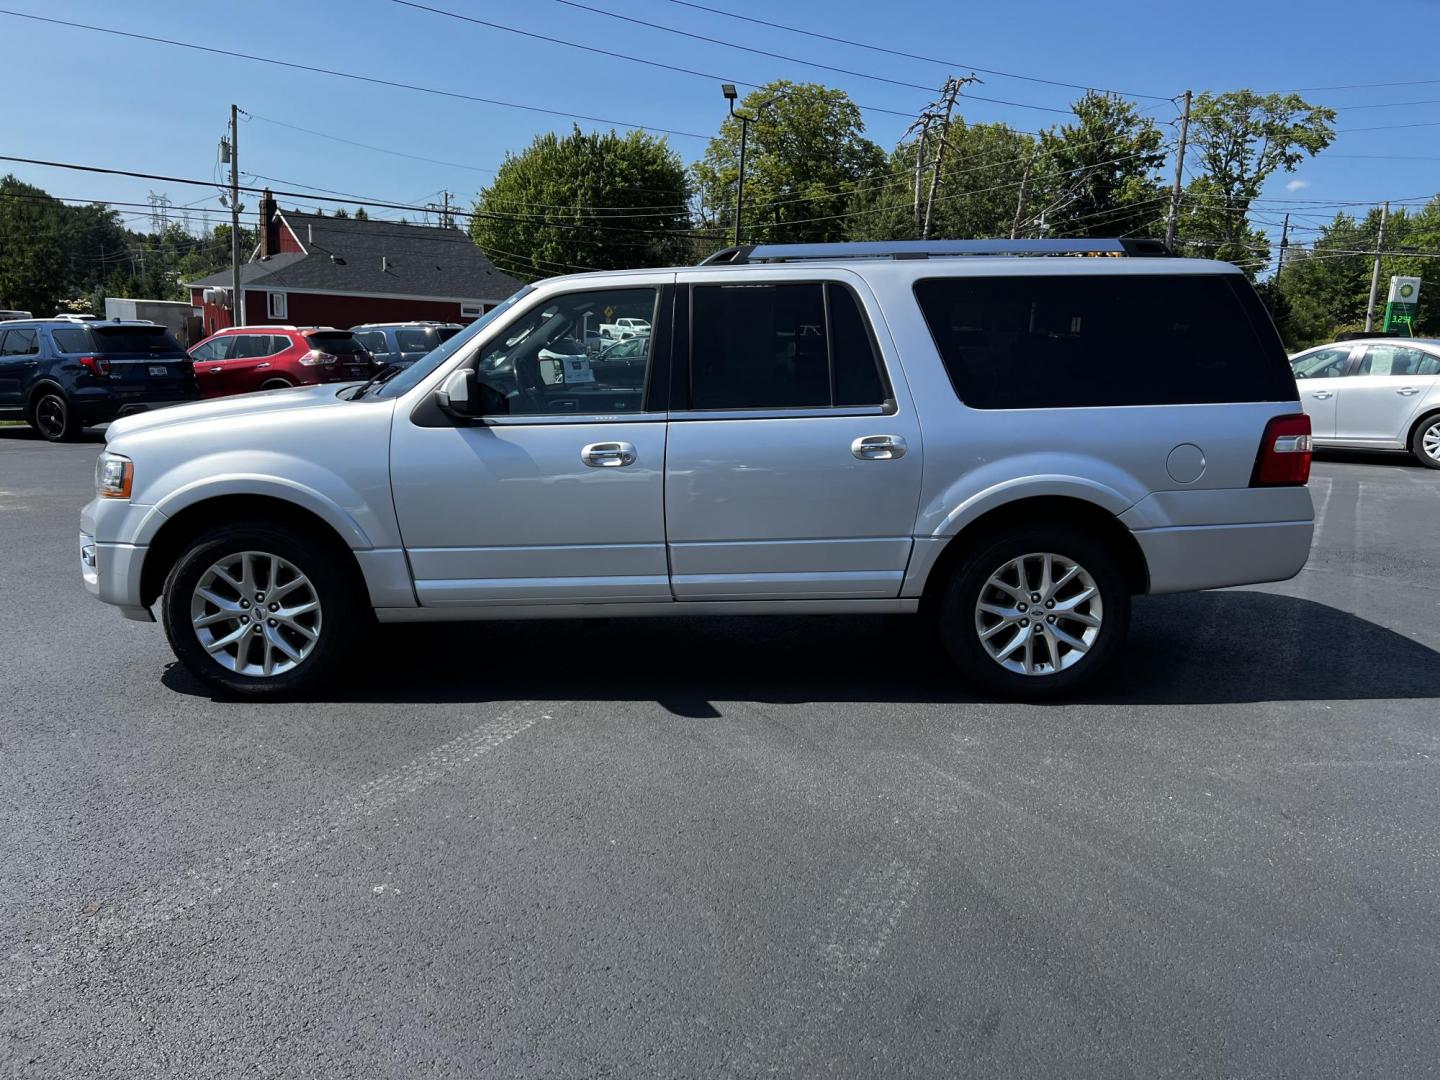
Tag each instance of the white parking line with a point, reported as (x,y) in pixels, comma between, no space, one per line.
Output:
(263,853)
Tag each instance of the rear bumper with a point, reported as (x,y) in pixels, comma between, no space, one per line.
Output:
(1188,557)
(101,410)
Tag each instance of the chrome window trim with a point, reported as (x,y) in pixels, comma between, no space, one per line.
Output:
(782,414)
(547,419)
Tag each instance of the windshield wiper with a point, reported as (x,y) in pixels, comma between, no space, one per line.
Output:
(380,378)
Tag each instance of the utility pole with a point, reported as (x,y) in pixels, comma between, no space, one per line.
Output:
(740,181)
(1375,271)
(445,211)
(237,306)
(949,94)
(1284,243)
(1179,174)
(919,168)
(1020,202)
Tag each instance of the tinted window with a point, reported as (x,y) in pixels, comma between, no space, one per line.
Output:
(777,346)
(445,333)
(250,346)
(374,340)
(416,340)
(1052,342)
(549,361)
(336,343)
(110,339)
(19,343)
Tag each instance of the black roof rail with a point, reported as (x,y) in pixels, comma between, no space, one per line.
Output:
(1126,247)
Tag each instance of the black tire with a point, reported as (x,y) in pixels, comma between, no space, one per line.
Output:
(343,612)
(959,622)
(52,416)
(1417,442)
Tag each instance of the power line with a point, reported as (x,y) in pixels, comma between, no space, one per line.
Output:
(785,57)
(373,80)
(908,55)
(709,76)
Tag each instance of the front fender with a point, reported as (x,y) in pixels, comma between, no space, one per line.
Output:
(342,507)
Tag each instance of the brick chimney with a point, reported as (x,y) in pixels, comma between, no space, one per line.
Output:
(269,226)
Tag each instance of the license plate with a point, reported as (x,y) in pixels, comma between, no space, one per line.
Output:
(159,369)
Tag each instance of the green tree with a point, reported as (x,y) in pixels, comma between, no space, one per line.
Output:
(1239,140)
(1101,175)
(806,155)
(596,201)
(982,174)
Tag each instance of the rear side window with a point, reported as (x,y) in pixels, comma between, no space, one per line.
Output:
(18,343)
(1056,342)
(374,340)
(416,340)
(781,346)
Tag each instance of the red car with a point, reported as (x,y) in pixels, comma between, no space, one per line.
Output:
(241,359)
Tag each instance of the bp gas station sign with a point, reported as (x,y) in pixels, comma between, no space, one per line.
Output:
(1404,302)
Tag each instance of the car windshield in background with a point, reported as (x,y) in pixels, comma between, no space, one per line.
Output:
(417,371)
(111,340)
(336,343)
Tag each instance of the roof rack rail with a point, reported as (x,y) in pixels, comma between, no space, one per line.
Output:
(927,249)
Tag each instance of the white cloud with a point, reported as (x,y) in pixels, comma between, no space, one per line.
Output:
(1297,185)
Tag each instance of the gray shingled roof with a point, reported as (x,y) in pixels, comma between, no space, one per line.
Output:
(376,258)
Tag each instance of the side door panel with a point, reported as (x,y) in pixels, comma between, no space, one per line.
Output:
(776,503)
(542,508)
(1378,403)
(1320,391)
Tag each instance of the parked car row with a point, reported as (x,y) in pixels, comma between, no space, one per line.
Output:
(68,372)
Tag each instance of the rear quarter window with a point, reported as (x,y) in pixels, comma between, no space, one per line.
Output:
(1056,341)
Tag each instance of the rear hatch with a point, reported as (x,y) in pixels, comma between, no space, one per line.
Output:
(352,360)
(135,362)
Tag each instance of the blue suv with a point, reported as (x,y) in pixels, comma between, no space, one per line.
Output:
(62,375)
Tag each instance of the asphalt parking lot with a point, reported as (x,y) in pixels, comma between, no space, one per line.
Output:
(788,847)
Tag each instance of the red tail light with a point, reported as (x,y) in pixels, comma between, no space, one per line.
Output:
(96,365)
(1284,456)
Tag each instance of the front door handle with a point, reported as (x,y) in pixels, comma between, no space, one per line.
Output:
(1408,391)
(608,455)
(1323,394)
(878,447)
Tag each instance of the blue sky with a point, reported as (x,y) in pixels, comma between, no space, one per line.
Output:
(75,95)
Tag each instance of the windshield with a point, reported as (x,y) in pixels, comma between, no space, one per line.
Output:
(417,371)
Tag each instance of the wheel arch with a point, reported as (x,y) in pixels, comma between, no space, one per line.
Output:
(41,386)
(1068,509)
(177,531)
(1426,416)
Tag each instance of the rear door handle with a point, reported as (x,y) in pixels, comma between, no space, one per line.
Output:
(1408,391)
(608,455)
(1323,394)
(878,447)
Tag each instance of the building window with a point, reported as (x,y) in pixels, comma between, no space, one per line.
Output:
(275,306)
(471,311)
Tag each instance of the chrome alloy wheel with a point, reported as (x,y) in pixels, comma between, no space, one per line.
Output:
(256,614)
(1430,441)
(1039,614)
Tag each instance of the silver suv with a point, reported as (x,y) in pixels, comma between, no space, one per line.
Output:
(1005,439)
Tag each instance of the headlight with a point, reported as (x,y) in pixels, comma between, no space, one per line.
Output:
(114,474)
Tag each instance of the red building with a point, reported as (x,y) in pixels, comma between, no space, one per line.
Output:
(313,270)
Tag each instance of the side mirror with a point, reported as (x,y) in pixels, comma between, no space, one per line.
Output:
(456,395)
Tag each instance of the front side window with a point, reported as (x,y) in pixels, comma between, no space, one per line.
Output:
(215,349)
(552,360)
(1324,364)
(1091,340)
(787,346)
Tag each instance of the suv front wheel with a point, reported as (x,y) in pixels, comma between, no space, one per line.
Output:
(259,611)
(1035,612)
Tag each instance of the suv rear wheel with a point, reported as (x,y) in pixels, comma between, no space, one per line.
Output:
(260,611)
(53,418)
(1035,612)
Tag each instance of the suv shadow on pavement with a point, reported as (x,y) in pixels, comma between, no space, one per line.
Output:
(1189,649)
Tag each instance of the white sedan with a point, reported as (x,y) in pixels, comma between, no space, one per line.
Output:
(1376,394)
